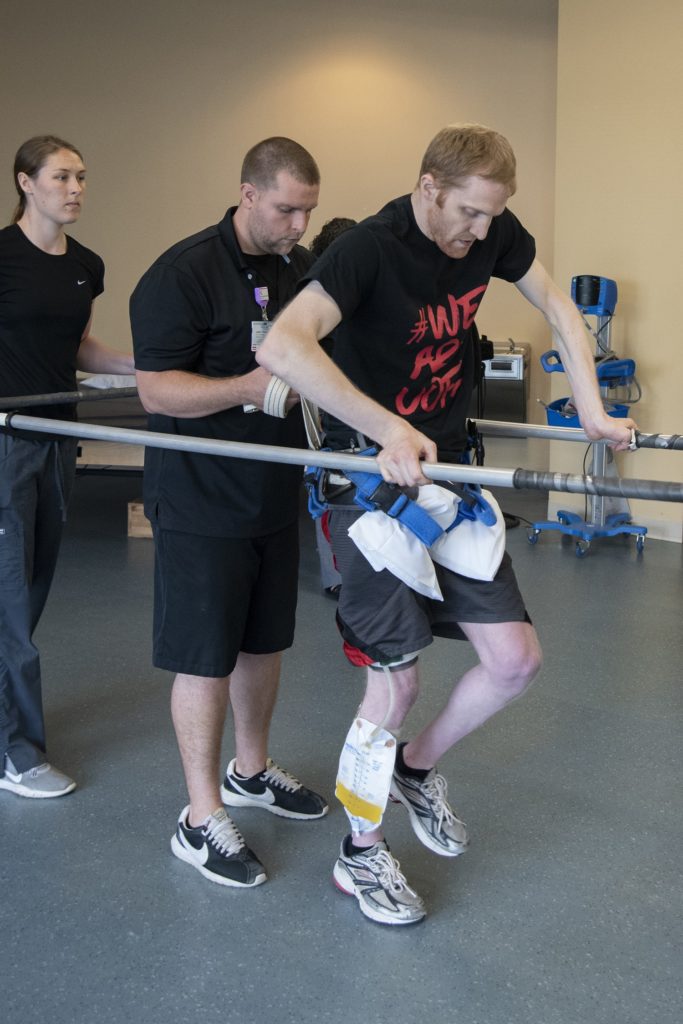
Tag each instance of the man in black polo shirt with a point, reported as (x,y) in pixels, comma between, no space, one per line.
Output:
(225,530)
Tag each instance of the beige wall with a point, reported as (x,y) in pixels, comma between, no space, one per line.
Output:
(164,97)
(618,207)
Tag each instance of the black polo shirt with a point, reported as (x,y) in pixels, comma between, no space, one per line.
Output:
(193,311)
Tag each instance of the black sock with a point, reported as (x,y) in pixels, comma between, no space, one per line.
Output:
(405,769)
(247,778)
(359,849)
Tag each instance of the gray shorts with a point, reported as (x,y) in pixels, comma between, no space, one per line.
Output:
(383,618)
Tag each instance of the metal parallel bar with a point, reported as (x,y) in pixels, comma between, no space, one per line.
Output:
(501,428)
(663,442)
(242,450)
(650,490)
(67,397)
(520,478)
(491,428)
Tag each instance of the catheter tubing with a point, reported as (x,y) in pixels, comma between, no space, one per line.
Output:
(520,478)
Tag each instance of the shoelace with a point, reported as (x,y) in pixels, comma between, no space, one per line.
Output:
(389,872)
(280,777)
(224,834)
(436,789)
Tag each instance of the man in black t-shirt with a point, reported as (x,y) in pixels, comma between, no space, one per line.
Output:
(401,291)
(225,530)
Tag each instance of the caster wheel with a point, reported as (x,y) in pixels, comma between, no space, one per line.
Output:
(532,535)
(582,547)
(640,543)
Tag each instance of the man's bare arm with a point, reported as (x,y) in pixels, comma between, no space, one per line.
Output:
(189,395)
(292,351)
(538,287)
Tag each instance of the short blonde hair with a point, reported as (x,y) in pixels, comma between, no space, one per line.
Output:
(459,151)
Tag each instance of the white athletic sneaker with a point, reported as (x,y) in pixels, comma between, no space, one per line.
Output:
(434,822)
(374,877)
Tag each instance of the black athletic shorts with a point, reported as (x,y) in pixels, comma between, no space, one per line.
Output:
(384,618)
(217,596)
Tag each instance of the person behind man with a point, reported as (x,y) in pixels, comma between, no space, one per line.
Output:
(330,230)
(226,530)
(401,291)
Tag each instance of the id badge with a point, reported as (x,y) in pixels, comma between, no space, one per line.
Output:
(259,330)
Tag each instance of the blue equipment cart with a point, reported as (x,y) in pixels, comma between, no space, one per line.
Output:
(594,296)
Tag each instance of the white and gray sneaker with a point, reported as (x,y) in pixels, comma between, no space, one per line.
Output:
(43,782)
(434,821)
(374,877)
(217,850)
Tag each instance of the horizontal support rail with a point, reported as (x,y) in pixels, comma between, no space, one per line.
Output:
(67,397)
(500,428)
(653,490)
(490,428)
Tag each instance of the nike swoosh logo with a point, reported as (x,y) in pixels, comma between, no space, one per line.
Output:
(267,798)
(81,282)
(202,852)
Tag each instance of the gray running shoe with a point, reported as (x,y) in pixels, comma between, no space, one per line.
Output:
(40,783)
(434,822)
(217,850)
(374,877)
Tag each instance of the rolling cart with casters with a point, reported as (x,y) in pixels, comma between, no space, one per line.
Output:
(596,296)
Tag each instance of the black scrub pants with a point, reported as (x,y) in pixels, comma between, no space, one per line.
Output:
(36,478)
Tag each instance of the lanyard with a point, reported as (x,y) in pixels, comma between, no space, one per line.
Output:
(261,296)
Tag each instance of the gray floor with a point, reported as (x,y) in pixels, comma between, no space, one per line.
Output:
(566,909)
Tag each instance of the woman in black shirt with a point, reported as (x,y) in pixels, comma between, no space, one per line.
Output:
(48,282)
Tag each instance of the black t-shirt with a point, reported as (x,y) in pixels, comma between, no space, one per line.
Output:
(407,312)
(45,305)
(193,311)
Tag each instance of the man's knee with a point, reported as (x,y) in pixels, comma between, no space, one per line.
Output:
(514,661)
(520,664)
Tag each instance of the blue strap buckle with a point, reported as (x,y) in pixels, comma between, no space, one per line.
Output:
(473,506)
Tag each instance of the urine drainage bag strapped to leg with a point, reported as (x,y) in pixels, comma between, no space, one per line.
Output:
(366,766)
